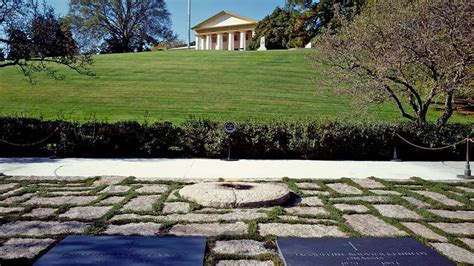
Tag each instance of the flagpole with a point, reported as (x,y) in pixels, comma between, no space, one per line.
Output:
(189,24)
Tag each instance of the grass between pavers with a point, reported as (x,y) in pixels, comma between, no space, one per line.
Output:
(335,216)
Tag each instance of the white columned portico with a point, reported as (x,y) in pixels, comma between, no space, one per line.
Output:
(198,42)
(231,41)
(224,31)
(243,41)
(220,42)
(208,42)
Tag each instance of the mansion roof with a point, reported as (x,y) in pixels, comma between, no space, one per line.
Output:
(224,20)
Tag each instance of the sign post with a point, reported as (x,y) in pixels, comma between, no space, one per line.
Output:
(467,170)
(229,127)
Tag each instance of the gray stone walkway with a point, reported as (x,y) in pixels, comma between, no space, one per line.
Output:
(38,211)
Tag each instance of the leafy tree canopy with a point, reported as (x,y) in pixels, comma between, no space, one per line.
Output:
(122,25)
(34,39)
(275,29)
(309,17)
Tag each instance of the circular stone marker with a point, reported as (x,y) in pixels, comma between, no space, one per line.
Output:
(236,194)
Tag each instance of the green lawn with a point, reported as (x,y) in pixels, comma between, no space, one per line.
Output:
(174,85)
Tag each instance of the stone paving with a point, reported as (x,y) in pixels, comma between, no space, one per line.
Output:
(37,212)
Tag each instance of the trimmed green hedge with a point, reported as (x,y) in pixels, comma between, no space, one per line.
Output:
(206,139)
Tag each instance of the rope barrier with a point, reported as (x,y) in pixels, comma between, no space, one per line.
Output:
(30,144)
(436,148)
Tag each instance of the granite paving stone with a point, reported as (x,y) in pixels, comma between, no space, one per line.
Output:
(439,197)
(454,252)
(209,229)
(108,180)
(202,217)
(133,216)
(306,211)
(466,189)
(370,199)
(343,188)
(468,241)
(311,201)
(315,193)
(370,225)
(28,248)
(176,207)
(111,200)
(396,211)
(292,218)
(12,192)
(141,203)
(116,189)
(416,202)
(40,228)
(153,189)
(351,207)
(368,183)
(308,185)
(7,210)
(86,213)
(300,230)
(241,247)
(61,200)
(41,213)
(244,263)
(67,193)
(69,188)
(385,192)
(456,228)
(425,232)
(7,187)
(17,199)
(462,215)
(142,229)
(211,210)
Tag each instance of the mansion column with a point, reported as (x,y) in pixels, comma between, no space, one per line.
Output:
(220,42)
(243,40)
(202,41)
(208,42)
(231,41)
(198,42)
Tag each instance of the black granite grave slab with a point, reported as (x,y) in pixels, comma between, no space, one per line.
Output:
(358,252)
(125,250)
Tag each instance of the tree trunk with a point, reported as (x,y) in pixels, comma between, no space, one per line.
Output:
(448,110)
(421,117)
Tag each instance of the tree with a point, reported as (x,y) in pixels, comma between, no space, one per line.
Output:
(34,40)
(123,25)
(309,17)
(412,53)
(274,28)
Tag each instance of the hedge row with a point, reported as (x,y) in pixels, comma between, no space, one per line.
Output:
(206,139)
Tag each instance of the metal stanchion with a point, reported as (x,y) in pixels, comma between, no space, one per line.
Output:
(467,170)
(395,154)
(230,128)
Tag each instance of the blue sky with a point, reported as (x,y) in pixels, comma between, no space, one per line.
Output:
(202,9)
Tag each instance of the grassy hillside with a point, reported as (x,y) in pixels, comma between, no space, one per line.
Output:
(173,85)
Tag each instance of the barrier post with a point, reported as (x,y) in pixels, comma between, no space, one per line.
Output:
(395,154)
(467,170)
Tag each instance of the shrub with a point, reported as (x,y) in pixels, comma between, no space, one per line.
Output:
(206,139)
